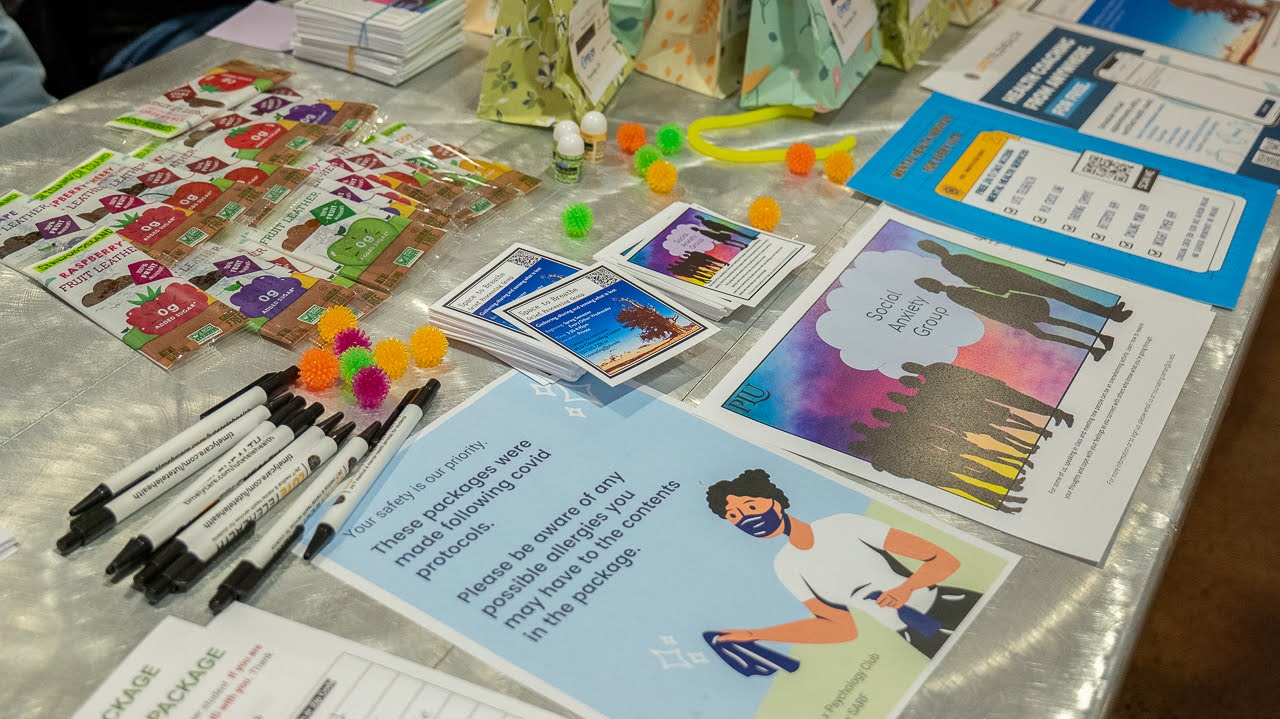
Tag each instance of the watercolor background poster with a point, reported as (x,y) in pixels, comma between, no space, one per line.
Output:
(1019,393)
(630,559)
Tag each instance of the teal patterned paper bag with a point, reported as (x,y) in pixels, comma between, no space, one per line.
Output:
(793,57)
(909,27)
(630,20)
(551,60)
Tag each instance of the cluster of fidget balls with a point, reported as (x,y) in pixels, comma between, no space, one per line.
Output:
(648,161)
(362,366)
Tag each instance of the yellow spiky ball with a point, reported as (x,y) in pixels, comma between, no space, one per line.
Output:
(392,356)
(318,369)
(764,213)
(661,176)
(334,320)
(428,346)
(838,167)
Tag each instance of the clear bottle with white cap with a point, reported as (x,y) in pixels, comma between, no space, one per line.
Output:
(595,132)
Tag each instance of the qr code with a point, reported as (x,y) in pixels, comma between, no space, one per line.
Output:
(523,258)
(602,276)
(1106,168)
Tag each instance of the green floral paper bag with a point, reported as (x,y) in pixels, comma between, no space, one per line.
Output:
(909,27)
(794,57)
(551,60)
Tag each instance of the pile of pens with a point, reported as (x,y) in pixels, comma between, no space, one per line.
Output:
(245,455)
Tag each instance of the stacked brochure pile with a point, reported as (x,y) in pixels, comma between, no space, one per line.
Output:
(709,262)
(551,319)
(387,40)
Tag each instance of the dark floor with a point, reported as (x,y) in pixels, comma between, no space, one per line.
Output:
(1211,645)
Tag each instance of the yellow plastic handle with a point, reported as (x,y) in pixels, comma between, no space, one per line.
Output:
(751,117)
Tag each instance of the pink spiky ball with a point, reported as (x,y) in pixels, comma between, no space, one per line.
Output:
(350,337)
(370,386)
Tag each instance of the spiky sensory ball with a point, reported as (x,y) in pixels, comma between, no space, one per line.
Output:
(631,136)
(428,346)
(333,320)
(318,369)
(370,385)
(350,337)
(645,156)
(764,213)
(393,356)
(838,167)
(354,360)
(670,139)
(577,220)
(800,158)
(662,177)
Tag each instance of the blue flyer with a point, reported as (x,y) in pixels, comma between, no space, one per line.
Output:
(628,559)
(1159,221)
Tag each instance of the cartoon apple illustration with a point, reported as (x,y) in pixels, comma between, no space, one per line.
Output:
(266,296)
(156,312)
(402,178)
(224,82)
(317,114)
(150,225)
(251,175)
(193,196)
(364,240)
(255,136)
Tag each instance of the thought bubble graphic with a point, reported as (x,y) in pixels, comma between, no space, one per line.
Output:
(879,318)
(685,238)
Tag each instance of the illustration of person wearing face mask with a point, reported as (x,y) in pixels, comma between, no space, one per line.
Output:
(844,562)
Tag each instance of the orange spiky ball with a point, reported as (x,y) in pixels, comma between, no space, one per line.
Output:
(661,176)
(838,167)
(764,213)
(393,356)
(631,135)
(318,369)
(334,320)
(428,346)
(800,158)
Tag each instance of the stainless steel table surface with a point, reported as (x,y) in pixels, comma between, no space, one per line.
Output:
(75,403)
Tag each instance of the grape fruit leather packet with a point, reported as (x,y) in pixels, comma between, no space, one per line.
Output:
(136,298)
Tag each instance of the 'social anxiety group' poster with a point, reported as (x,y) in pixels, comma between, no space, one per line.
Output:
(631,560)
(988,381)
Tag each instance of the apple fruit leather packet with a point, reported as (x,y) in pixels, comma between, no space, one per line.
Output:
(129,294)
(213,93)
(350,239)
(282,301)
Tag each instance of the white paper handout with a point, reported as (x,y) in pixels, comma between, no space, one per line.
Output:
(1021,393)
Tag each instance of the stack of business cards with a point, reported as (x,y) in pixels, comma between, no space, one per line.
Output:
(387,40)
(468,313)
(709,262)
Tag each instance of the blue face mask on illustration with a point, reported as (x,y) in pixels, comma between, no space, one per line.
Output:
(764,523)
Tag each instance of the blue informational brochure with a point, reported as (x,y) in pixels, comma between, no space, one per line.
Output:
(1165,223)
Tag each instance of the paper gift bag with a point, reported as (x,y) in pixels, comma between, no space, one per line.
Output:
(551,60)
(908,28)
(630,20)
(966,12)
(794,56)
(697,45)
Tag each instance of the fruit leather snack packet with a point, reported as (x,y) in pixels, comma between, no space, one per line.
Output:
(343,120)
(480,195)
(447,194)
(136,298)
(342,180)
(283,303)
(213,93)
(197,184)
(350,239)
(435,155)
(169,229)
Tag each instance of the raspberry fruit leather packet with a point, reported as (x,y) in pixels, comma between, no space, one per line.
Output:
(352,240)
(62,214)
(342,180)
(190,104)
(282,302)
(136,298)
(199,182)
(451,158)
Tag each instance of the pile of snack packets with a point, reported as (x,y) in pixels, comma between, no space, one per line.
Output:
(254,206)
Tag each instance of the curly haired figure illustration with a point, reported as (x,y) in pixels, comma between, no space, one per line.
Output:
(844,562)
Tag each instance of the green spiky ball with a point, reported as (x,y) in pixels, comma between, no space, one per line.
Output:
(670,139)
(577,220)
(354,360)
(645,156)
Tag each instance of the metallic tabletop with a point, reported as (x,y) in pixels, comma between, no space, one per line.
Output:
(76,404)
